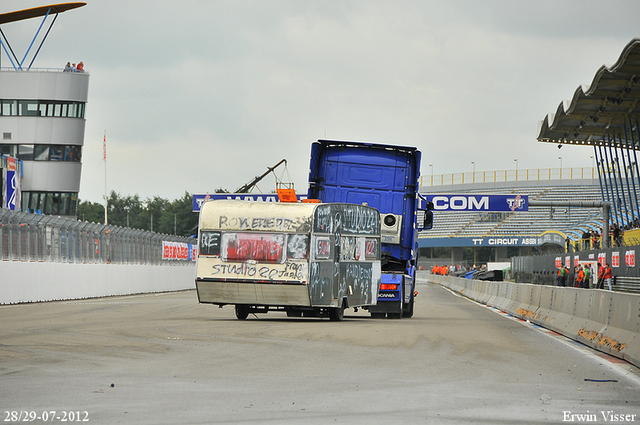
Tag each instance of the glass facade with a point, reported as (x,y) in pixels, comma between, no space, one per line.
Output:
(41,108)
(55,203)
(72,153)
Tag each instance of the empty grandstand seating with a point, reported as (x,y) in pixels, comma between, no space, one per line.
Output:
(572,221)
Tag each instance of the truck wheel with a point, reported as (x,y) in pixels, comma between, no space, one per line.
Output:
(336,314)
(407,311)
(242,311)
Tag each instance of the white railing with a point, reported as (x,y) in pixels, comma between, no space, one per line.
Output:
(509,175)
(10,68)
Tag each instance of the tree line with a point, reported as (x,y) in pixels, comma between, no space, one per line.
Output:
(154,214)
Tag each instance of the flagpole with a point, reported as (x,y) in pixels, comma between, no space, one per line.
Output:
(104,157)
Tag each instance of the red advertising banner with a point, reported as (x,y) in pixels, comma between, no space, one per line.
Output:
(630,258)
(602,259)
(615,259)
(178,251)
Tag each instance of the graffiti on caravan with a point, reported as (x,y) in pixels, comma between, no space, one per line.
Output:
(461,202)
(350,219)
(198,199)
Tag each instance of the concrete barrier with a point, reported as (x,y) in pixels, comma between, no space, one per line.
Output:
(604,320)
(34,281)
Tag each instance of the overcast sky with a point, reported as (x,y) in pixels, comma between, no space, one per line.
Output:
(198,95)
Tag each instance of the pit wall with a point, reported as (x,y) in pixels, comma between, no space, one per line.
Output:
(604,320)
(23,282)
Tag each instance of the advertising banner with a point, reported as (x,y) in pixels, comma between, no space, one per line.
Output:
(198,199)
(11,187)
(630,258)
(178,251)
(494,203)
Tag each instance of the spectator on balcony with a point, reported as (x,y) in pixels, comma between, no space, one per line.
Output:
(617,235)
(67,67)
(80,67)
(585,240)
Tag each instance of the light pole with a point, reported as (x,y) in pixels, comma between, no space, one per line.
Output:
(431,165)
(516,161)
(560,158)
(473,174)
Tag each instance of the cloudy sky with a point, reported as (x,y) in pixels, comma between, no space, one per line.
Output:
(195,95)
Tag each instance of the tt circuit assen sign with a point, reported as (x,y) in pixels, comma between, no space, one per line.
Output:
(493,203)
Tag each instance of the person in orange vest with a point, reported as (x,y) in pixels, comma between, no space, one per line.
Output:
(580,277)
(559,277)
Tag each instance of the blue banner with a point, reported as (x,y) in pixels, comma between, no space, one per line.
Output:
(254,197)
(493,203)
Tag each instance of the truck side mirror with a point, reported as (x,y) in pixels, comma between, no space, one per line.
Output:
(428,220)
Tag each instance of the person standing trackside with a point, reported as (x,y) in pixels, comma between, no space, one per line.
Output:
(608,275)
(586,281)
(559,277)
(580,277)
(600,282)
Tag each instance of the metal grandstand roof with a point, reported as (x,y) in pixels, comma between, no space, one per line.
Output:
(602,112)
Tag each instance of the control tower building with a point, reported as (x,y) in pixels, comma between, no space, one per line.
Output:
(42,118)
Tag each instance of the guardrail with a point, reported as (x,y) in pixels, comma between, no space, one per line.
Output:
(604,320)
(626,284)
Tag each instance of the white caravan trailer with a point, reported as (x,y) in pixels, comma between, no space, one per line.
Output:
(307,259)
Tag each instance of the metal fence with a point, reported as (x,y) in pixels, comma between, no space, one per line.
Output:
(46,238)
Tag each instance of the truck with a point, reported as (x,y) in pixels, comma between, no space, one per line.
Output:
(304,258)
(384,177)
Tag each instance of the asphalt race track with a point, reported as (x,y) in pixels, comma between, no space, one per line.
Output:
(165,359)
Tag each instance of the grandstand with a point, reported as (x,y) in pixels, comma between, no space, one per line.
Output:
(462,229)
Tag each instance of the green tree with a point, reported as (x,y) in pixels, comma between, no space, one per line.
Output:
(92,212)
(170,217)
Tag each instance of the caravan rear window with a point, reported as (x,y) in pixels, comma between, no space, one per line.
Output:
(259,247)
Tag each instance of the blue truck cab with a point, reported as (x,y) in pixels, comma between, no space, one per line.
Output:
(384,177)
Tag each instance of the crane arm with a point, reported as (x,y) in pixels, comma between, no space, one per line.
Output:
(247,187)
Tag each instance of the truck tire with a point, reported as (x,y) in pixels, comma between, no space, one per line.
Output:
(336,314)
(407,311)
(242,311)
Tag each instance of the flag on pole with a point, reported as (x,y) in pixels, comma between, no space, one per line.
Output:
(104,147)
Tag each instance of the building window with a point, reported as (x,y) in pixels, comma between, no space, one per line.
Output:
(42,108)
(53,203)
(9,150)
(69,153)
